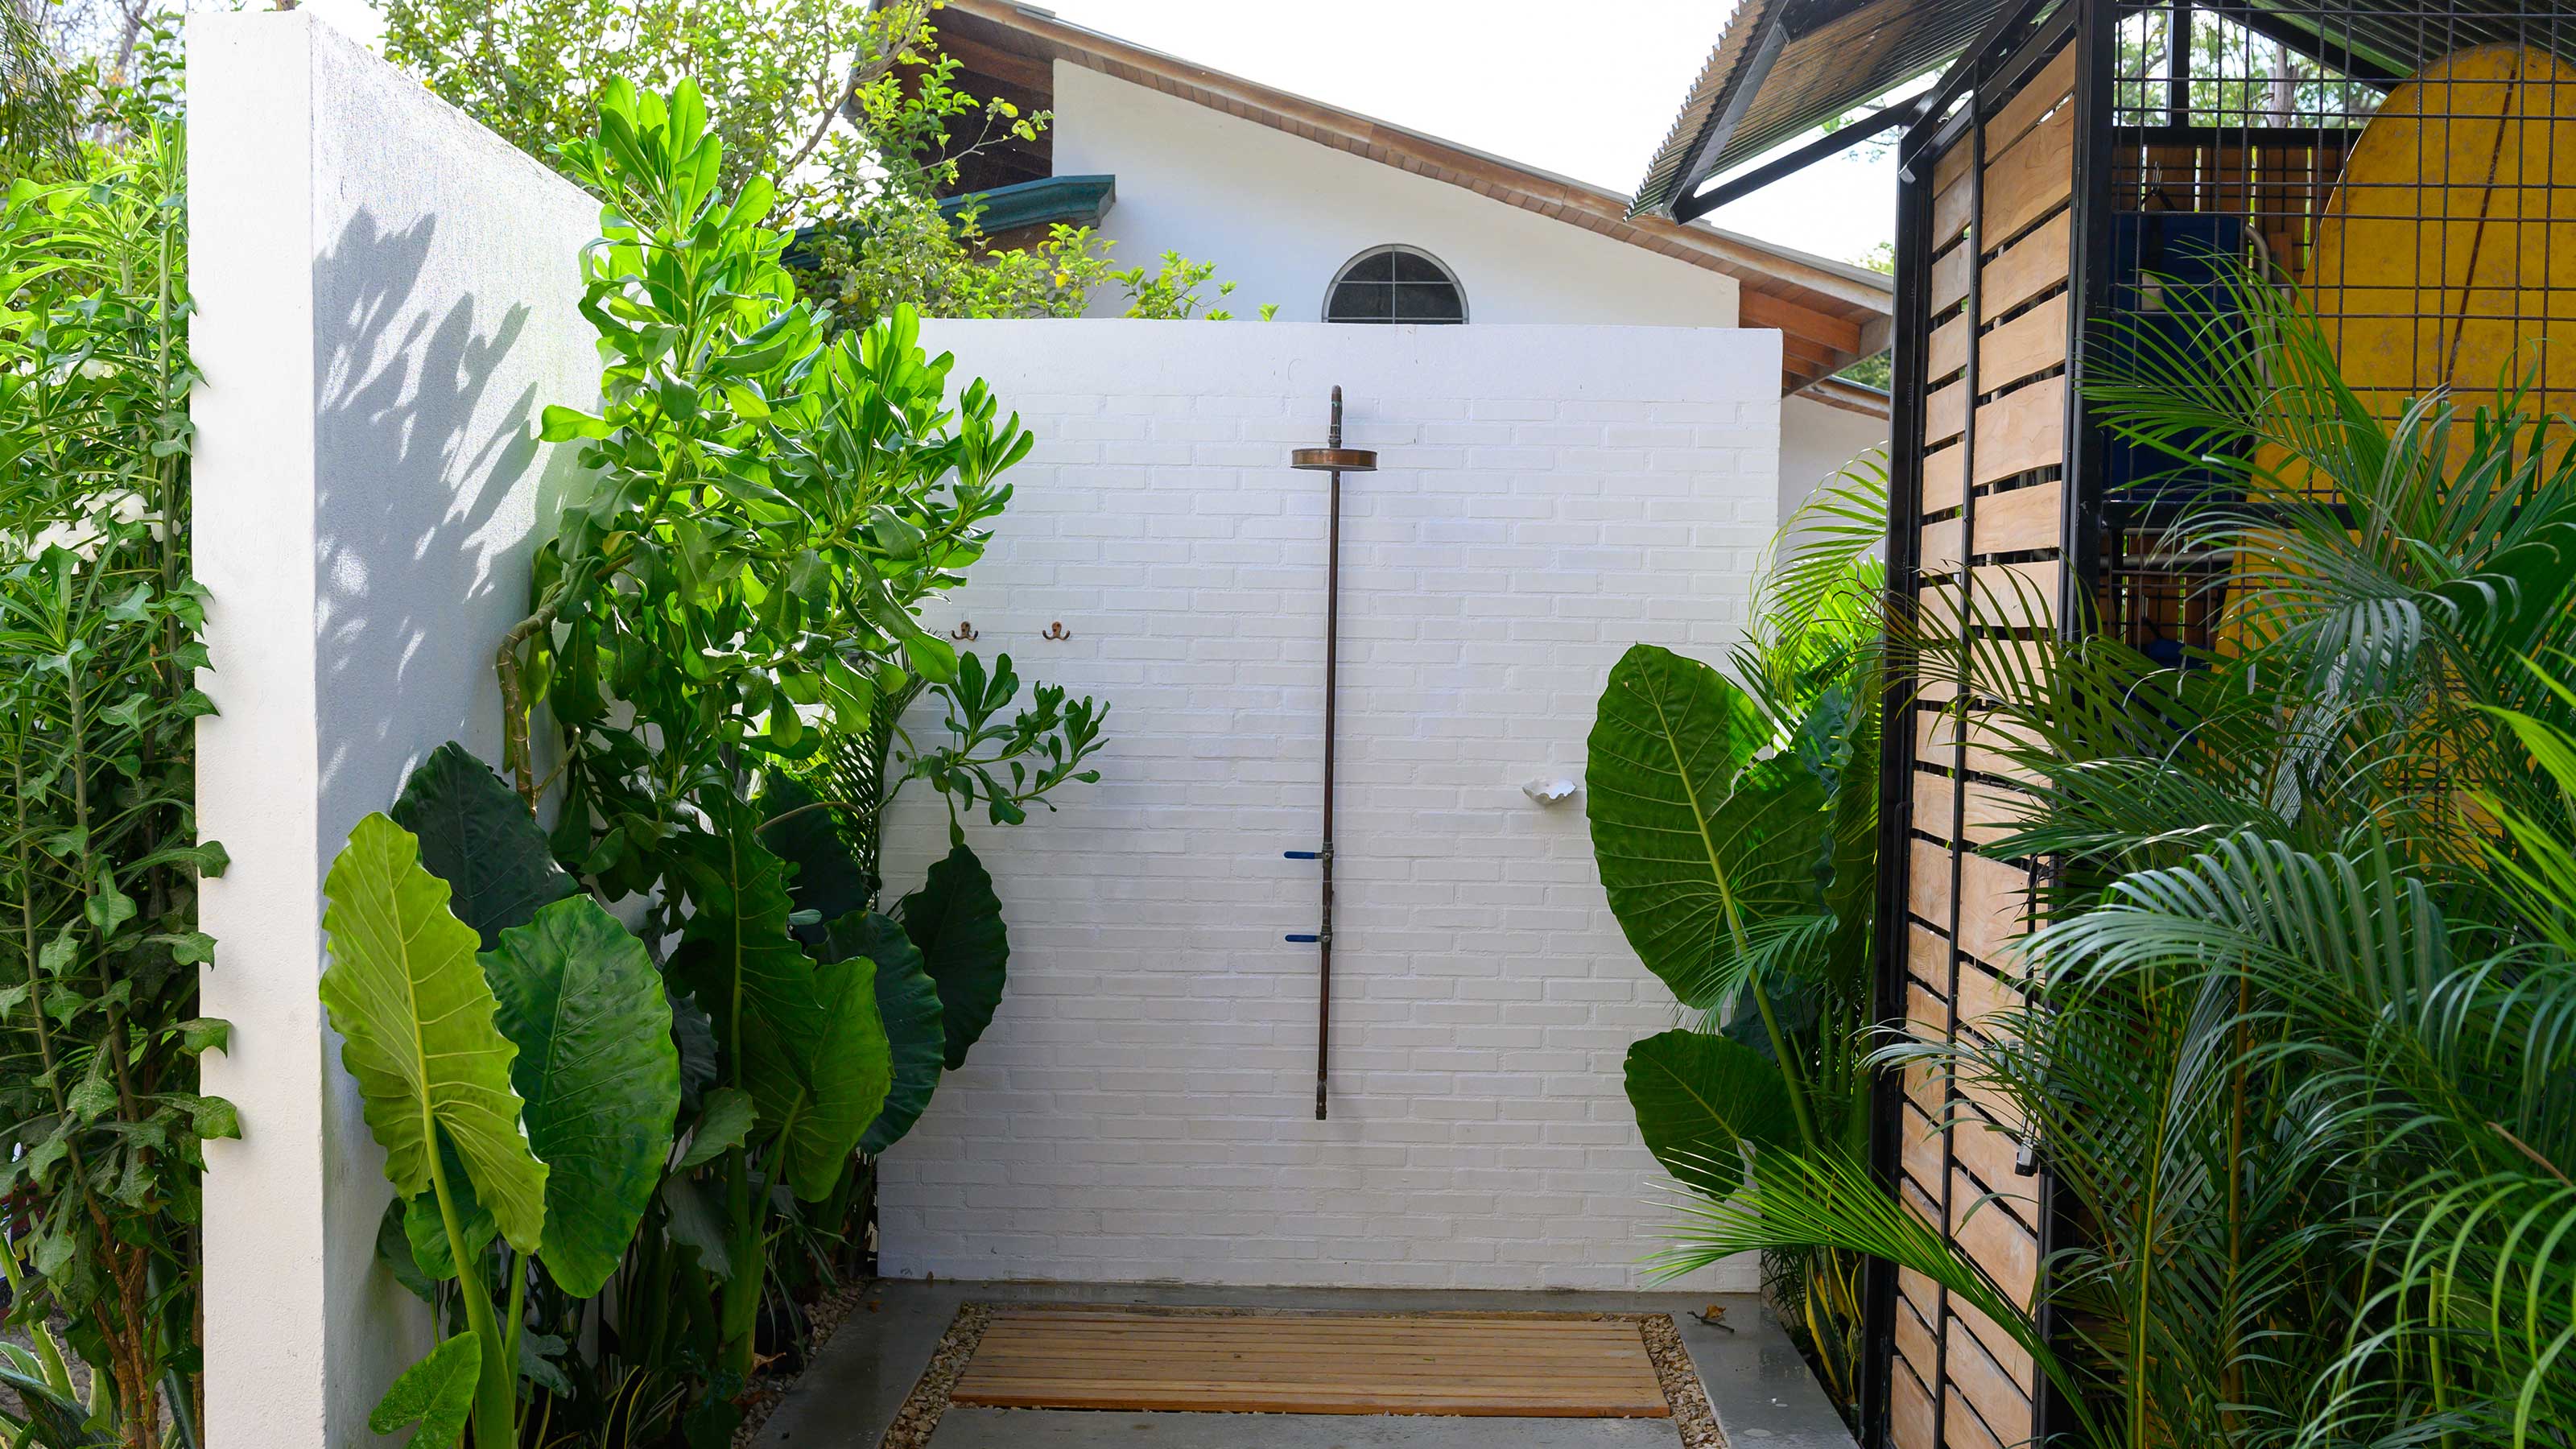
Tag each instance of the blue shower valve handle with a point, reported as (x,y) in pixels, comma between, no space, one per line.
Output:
(1303,854)
(1307,940)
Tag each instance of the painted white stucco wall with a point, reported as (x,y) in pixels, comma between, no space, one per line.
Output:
(1815,442)
(385,296)
(1279,215)
(1143,1105)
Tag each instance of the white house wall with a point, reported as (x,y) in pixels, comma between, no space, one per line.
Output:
(1816,441)
(1279,215)
(1143,1105)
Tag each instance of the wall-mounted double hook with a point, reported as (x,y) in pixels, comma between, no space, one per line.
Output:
(966,632)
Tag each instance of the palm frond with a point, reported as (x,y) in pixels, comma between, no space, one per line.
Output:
(2295,1036)
(1823,558)
(1792,1201)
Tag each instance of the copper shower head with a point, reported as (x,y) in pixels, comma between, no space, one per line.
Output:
(1333,457)
(1334,460)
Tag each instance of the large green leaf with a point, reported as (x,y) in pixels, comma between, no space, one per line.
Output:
(476,835)
(1692,855)
(827,880)
(599,1075)
(1698,1097)
(415,1017)
(956,920)
(850,1068)
(908,1000)
(694,1223)
(754,982)
(52,1418)
(393,1249)
(727,1123)
(436,1393)
(805,1041)
(693,1036)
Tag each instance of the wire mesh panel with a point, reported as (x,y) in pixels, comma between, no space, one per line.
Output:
(2408,169)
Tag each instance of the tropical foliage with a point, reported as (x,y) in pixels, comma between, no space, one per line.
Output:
(525,1094)
(2300,1052)
(99,855)
(846,105)
(1734,823)
(719,670)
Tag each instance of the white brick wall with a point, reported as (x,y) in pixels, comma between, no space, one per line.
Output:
(1143,1105)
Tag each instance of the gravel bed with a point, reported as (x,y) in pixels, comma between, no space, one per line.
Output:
(928,1400)
(1682,1388)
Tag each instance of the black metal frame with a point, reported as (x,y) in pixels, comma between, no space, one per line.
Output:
(1907,360)
(1832,143)
(2024,37)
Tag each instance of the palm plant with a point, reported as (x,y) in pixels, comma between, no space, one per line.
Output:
(2299,1052)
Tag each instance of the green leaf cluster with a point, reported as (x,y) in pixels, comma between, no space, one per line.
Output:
(725,647)
(100,858)
(526,1093)
(850,105)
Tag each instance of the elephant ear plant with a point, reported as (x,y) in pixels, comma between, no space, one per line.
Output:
(724,640)
(731,610)
(518,1068)
(1734,827)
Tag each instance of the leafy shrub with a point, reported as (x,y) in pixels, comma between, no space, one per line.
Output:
(721,653)
(846,105)
(1735,829)
(99,855)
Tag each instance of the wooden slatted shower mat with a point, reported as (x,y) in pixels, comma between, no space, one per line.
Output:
(1590,1366)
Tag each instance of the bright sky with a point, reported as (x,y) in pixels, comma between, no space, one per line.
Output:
(1523,79)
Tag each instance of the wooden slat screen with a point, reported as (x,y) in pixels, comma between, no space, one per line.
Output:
(1990,473)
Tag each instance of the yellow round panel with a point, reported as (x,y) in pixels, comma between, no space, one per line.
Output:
(2447,255)
(2449,248)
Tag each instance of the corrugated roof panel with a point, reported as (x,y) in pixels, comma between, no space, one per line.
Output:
(1839,54)
(1847,62)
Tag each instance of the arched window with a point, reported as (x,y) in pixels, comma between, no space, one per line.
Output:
(1395,284)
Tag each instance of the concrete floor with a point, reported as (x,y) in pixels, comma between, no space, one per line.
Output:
(1764,1396)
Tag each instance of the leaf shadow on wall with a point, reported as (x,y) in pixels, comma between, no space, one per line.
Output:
(422,506)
